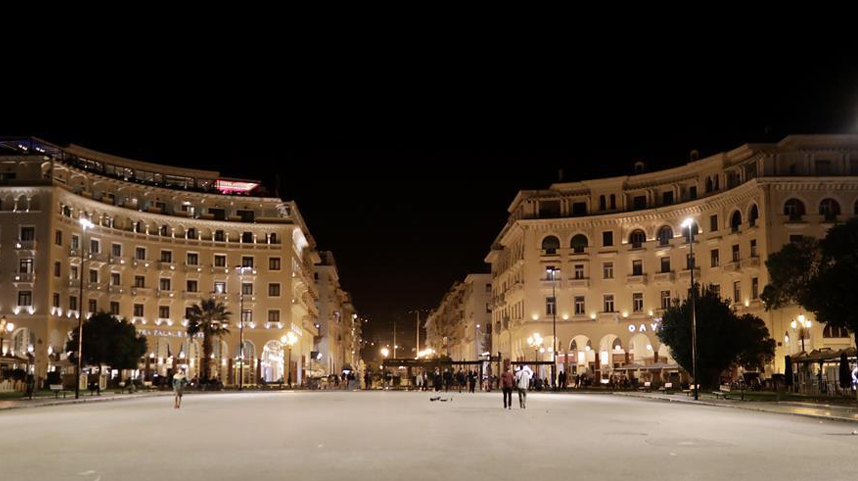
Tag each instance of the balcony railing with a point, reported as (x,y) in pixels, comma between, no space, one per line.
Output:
(25,277)
(25,245)
(166,266)
(579,283)
(115,289)
(637,279)
(141,291)
(664,276)
(166,293)
(190,295)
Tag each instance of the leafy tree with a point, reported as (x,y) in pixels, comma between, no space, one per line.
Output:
(724,338)
(108,340)
(208,317)
(818,275)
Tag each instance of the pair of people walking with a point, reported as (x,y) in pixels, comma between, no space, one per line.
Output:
(520,381)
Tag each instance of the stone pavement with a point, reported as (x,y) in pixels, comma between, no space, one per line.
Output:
(69,399)
(820,411)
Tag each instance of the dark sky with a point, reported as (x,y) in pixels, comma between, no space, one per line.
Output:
(406,177)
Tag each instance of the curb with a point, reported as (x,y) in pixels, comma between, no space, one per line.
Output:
(24,404)
(746,408)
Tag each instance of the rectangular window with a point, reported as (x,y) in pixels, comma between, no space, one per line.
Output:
(579,208)
(94,246)
(753,247)
(608,270)
(25,266)
(273,316)
(579,271)
(755,288)
(25,298)
(247,237)
(692,192)
(637,302)
(114,279)
(246,261)
(72,303)
(550,306)
(166,256)
(273,263)
(665,264)
(247,288)
(164,284)
(835,332)
(139,281)
(27,233)
(220,287)
(93,306)
(735,252)
(93,276)
(73,273)
(714,258)
(193,259)
(608,238)
(667,198)
(713,223)
(56,300)
(689,261)
(219,236)
(639,202)
(637,267)
(737,291)
(140,253)
(273,290)
(138,310)
(192,232)
(608,302)
(246,316)
(164,312)
(220,260)
(114,308)
(192,285)
(579,306)
(75,242)
(58,238)
(57,269)
(665,299)
(116,250)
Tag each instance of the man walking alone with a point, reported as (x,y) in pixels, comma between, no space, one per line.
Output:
(507,382)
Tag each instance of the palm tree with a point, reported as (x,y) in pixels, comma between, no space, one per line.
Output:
(208,317)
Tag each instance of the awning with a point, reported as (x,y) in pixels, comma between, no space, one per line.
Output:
(823,355)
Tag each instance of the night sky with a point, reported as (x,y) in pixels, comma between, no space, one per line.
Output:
(406,178)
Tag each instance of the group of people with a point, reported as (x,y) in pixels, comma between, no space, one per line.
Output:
(447,380)
(520,381)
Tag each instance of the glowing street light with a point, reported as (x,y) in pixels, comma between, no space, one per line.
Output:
(85,224)
(385,351)
(689,225)
(289,339)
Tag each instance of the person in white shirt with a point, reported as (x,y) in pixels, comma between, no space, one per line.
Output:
(522,383)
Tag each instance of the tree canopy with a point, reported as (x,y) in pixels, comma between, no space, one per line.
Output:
(109,340)
(724,338)
(209,317)
(818,275)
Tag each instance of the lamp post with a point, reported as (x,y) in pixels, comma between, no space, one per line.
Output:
(289,339)
(241,270)
(692,227)
(5,326)
(535,341)
(802,328)
(552,275)
(84,225)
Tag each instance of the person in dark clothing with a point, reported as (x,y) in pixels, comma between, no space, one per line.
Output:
(472,381)
(460,380)
(507,381)
(562,380)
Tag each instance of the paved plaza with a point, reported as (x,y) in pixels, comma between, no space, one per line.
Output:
(403,436)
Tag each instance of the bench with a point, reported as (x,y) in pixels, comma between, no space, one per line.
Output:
(722,392)
(668,386)
(57,389)
(690,391)
(646,387)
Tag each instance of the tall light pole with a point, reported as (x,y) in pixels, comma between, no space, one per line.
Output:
(394,340)
(241,270)
(289,339)
(84,225)
(692,227)
(552,274)
(802,328)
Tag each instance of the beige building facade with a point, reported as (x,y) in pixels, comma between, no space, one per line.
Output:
(162,238)
(619,256)
(339,327)
(457,327)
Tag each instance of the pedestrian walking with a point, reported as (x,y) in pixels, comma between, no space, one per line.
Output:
(562,380)
(472,381)
(522,383)
(460,380)
(180,380)
(419,381)
(448,380)
(507,382)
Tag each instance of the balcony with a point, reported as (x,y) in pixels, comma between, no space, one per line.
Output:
(219,270)
(190,295)
(26,277)
(95,286)
(193,268)
(97,257)
(581,283)
(166,266)
(115,290)
(28,245)
(732,267)
(116,260)
(686,274)
(140,263)
(74,283)
(141,291)
(164,293)
(549,254)
(664,277)
(751,263)
(637,280)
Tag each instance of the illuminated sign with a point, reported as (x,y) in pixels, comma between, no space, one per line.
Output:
(234,186)
(645,326)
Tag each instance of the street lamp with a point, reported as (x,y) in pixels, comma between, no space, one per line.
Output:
(241,270)
(289,339)
(5,327)
(84,225)
(552,276)
(692,227)
(535,341)
(385,351)
(802,328)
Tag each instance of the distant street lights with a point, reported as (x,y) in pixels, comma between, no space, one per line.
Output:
(692,227)
(5,327)
(84,225)
(802,328)
(535,341)
(385,352)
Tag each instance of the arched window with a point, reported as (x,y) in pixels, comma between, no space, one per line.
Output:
(694,228)
(613,202)
(602,204)
(664,235)
(579,243)
(794,208)
(709,184)
(637,238)
(550,244)
(735,221)
(753,215)
(830,209)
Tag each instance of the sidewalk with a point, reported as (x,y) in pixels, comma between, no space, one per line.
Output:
(818,411)
(84,398)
